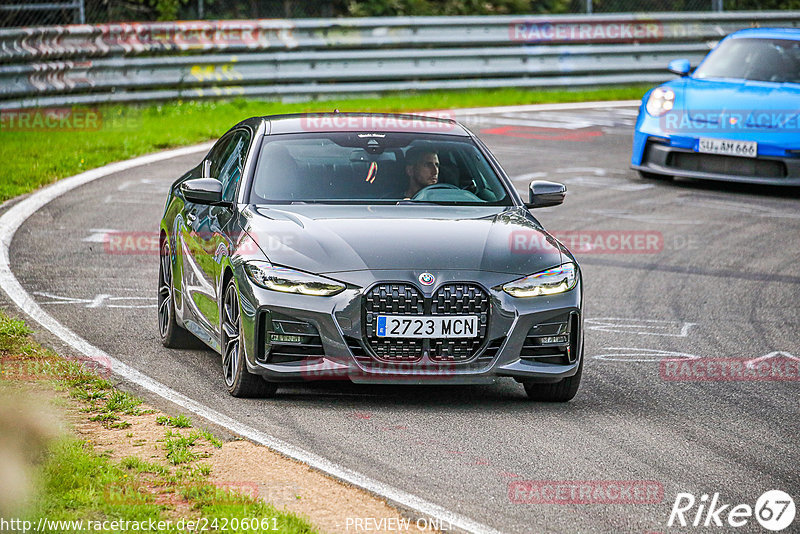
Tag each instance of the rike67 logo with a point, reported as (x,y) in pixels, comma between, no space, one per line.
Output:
(774,510)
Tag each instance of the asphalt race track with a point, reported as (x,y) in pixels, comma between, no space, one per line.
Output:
(707,273)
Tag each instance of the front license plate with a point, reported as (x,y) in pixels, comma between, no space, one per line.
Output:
(746,149)
(424,326)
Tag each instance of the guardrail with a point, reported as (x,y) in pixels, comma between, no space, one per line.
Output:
(81,64)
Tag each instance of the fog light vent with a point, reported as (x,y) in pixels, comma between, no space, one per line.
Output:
(288,339)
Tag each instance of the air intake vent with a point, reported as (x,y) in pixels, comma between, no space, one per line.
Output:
(288,340)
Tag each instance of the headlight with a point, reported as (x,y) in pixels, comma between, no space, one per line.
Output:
(286,280)
(660,101)
(549,282)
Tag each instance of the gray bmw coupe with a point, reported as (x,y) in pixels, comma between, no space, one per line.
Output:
(374,248)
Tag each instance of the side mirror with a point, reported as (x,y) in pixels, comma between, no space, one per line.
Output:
(542,194)
(681,67)
(202,190)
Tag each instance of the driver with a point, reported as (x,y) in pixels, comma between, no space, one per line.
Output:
(422,169)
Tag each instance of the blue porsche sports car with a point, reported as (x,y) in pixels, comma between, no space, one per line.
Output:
(736,117)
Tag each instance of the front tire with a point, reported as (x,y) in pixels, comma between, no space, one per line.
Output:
(239,381)
(562,391)
(173,336)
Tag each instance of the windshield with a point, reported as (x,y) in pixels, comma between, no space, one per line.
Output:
(768,60)
(374,168)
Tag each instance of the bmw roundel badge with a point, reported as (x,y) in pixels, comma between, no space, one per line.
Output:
(426,279)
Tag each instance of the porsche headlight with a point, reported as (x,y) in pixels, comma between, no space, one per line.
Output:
(276,278)
(660,101)
(550,282)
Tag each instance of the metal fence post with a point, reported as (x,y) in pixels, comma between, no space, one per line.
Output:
(588,7)
(81,12)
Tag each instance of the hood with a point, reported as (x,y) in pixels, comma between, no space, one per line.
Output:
(328,239)
(730,108)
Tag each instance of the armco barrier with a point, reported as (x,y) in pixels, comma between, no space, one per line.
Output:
(82,64)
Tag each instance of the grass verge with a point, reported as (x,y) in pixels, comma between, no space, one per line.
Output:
(79,488)
(33,156)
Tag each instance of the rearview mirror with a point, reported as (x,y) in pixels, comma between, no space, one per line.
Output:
(681,67)
(542,194)
(202,190)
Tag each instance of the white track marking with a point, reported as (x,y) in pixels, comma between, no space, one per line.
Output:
(528,177)
(631,354)
(605,183)
(648,217)
(545,107)
(748,208)
(591,177)
(99,235)
(12,219)
(642,327)
(103,300)
(778,353)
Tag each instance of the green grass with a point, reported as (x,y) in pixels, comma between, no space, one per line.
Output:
(142,466)
(116,403)
(179,447)
(78,484)
(32,159)
(212,501)
(74,482)
(211,438)
(12,333)
(181,421)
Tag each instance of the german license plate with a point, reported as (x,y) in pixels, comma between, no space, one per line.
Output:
(747,149)
(424,326)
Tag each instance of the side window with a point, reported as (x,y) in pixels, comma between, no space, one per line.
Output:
(227,164)
(217,153)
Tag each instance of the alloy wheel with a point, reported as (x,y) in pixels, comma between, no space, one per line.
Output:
(230,338)
(164,291)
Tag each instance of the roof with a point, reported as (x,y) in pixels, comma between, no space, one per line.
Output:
(767,33)
(362,122)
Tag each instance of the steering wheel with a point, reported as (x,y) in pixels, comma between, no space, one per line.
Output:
(434,187)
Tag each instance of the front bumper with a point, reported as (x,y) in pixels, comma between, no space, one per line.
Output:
(673,152)
(661,157)
(342,351)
